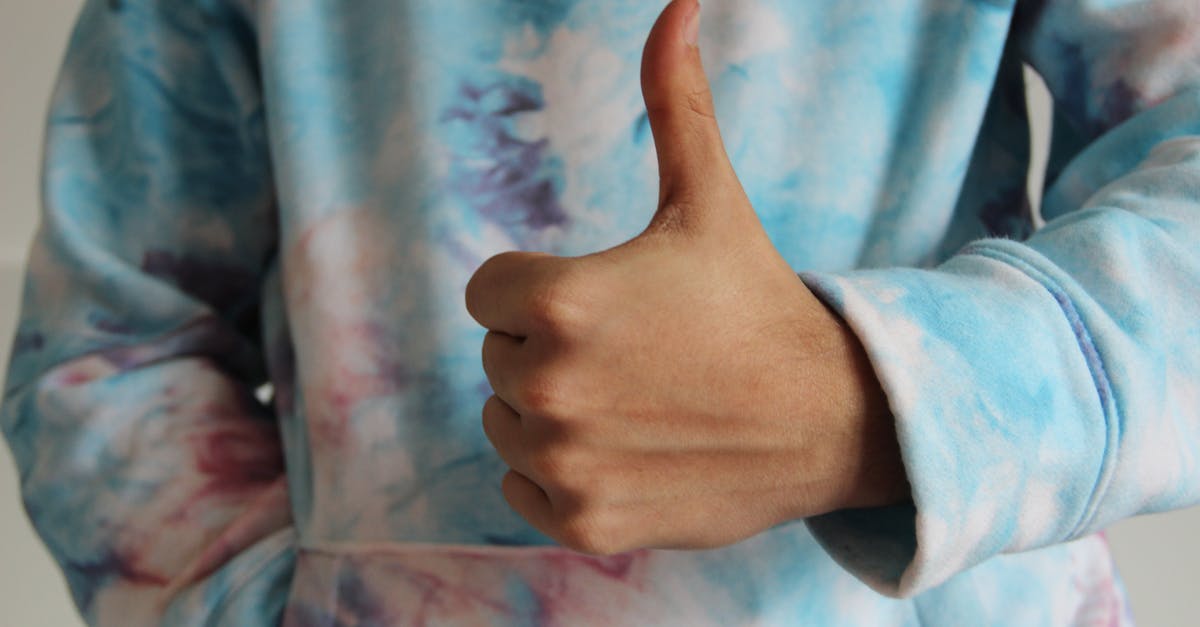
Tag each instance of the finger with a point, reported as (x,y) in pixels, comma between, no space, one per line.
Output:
(499,293)
(503,364)
(691,154)
(502,426)
(528,500)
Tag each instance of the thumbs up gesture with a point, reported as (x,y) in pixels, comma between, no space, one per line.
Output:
(683,390)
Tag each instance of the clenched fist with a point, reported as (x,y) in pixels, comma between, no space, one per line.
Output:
(683,390)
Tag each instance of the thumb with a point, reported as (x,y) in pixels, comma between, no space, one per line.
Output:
(694,171)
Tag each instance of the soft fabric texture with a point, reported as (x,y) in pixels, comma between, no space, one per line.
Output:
(240,192)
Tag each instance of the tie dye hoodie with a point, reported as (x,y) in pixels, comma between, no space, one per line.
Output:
(243,192)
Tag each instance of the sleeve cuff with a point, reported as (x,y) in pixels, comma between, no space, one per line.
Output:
(998,419)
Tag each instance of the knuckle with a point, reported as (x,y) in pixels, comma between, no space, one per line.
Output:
(541,393)
(556,306)
(589,531)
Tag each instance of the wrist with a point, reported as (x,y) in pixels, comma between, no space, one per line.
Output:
(870,471)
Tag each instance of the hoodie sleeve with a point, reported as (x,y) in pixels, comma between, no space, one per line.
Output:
(147,464)
(1044,389)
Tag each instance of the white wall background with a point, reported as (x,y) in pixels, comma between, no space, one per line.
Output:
(1158,555)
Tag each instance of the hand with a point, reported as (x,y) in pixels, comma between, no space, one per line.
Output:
(683,390)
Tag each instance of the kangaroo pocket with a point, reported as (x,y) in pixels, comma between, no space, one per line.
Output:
(780,577)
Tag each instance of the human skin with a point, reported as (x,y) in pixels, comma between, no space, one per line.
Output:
(683,390)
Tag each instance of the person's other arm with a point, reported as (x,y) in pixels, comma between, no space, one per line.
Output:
(147,465)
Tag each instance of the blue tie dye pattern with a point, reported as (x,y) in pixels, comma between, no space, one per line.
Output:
(248,191)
